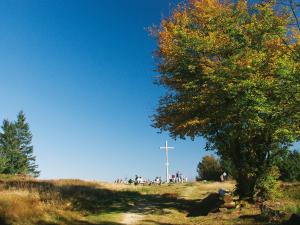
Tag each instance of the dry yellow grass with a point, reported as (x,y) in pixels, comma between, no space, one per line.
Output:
(25,201)
(20,204)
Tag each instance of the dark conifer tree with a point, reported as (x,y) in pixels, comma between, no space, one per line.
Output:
(24,137)
(3,160)
(14,159)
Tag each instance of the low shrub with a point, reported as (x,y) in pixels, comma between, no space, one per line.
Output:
(268,185)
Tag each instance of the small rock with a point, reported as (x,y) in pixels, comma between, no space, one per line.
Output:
(223,210)
(235,198)
(230,205)
(227,198)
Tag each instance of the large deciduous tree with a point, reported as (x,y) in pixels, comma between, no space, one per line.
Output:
(232,76)
(294,7)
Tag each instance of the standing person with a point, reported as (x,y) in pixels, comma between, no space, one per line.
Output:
(222,178)
(173,178)
(225,176)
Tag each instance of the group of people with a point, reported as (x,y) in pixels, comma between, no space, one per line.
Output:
(157,180)
(137,180)
(178,178)
(120,181)
(175,178)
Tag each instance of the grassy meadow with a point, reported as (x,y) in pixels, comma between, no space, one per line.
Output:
(75,202)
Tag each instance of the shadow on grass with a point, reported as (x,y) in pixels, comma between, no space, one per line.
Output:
(155,222)
(96,200)
(3,221)
(253,218)
(72,222)
(207,205)
(293,220)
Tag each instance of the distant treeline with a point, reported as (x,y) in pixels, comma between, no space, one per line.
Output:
(288,163)
(16,149)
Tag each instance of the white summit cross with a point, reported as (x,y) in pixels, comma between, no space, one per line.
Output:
(166,148)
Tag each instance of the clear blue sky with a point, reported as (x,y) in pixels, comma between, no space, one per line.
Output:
(83,73)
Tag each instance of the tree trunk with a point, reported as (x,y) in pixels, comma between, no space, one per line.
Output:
(245,185)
